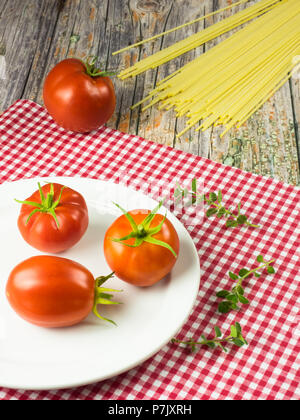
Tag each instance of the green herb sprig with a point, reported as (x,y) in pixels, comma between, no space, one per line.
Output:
(235,337)
(236,295)
(216,207)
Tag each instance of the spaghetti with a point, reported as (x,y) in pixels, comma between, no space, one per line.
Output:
(198,39)
(229,82)
(153,38)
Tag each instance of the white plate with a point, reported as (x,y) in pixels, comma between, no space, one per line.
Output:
(37,358)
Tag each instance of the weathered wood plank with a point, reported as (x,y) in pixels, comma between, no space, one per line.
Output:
(146,17)
(26,29)
(153,124)
(37,35)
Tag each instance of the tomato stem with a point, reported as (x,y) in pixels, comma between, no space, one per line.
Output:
(93,71)
(102,297)
(143,232)
(46,205)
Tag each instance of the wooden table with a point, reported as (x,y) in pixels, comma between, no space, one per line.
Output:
(36,34)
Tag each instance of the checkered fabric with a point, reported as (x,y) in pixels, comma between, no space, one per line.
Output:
(32,145)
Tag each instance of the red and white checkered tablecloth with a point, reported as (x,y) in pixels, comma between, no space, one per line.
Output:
(31,145)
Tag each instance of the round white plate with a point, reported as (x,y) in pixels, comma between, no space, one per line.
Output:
(38,358)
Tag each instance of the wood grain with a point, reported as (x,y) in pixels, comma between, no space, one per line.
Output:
(35,35)
(26,31)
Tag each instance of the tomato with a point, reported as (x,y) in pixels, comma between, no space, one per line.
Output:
(78,96)
(53,218)
(141,247)
(55,292)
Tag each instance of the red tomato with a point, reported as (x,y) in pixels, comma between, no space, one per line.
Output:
(147,263)
(78,97)
(59,218)
(54,292)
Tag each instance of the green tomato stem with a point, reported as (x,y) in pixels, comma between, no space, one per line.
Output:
(102,297)
(143,232)
(46,205)
(91,69)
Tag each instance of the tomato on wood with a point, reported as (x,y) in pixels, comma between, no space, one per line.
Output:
(78,96)
(54,218)
(141,246)
(55,292)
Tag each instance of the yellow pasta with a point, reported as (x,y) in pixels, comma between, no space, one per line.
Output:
(153,38)
(199,38)
(228,83)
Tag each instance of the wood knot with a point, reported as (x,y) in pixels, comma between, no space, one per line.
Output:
(156,6)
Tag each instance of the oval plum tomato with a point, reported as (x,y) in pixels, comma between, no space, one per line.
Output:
(78,96)
(55,292)
(53,218)
(141,247)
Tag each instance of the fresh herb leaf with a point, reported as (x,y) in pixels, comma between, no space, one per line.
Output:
(220,197)
(218,332)
(238,342)
(243,272)
(223,293)
(238,328)
(213,197)
(232,298)
(233,276)
(240,290)
(241,219)
(224,307)
(233,331)
(243,300)
(231,223)
(210,212)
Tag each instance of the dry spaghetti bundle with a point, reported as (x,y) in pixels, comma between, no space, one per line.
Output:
(199,38)
(228,83)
